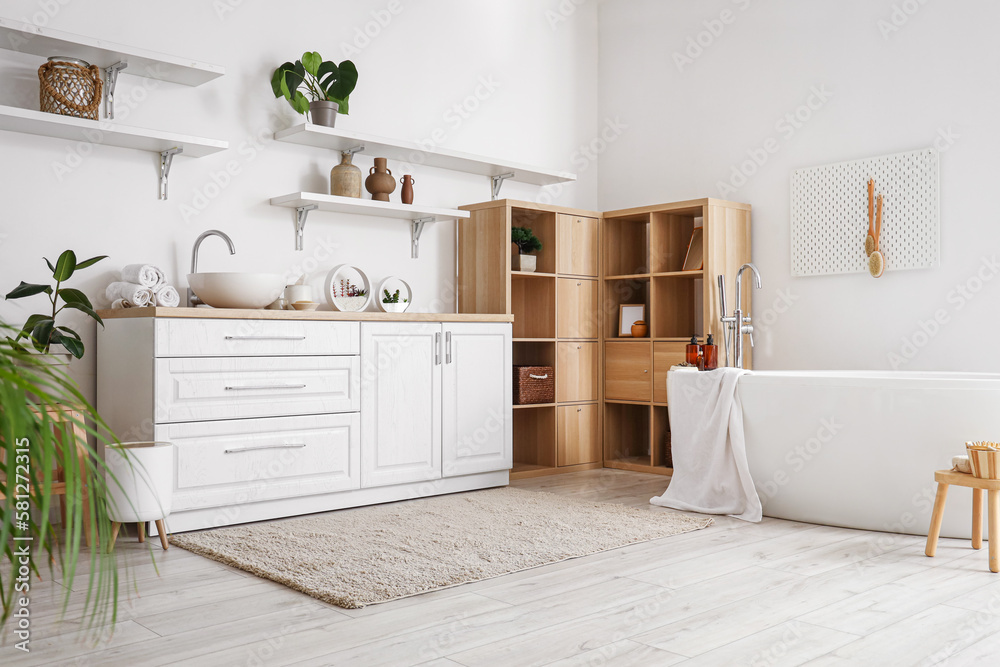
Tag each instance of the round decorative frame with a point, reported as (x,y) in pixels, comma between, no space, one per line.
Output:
(409,295)
(347,304)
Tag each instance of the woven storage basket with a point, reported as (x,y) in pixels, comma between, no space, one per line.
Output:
(984,459)
(534,384)
(69,87)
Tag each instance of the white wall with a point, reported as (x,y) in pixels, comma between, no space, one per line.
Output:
(425,59)
(892,90)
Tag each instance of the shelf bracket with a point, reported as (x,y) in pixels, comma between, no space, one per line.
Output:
(351,151)
(416,229)
(301,213)
(497,182)
(166,159)
(110,82)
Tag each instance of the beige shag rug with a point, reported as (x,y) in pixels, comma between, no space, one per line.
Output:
(352,558)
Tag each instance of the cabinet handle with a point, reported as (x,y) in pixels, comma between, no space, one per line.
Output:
(579,409)
(437,348)
(447,348)
(265,337)
(268,386)
(645,370)
(578,284)
(296,445)
(539,377)
(578,347)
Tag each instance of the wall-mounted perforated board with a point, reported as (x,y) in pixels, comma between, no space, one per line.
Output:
(830,214)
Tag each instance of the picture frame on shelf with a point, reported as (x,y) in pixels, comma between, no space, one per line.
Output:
(694,260)
(629,314)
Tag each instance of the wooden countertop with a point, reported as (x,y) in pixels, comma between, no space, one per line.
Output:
(320,315)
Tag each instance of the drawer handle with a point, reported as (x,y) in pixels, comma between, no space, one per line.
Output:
(269,386)
(539,377)
(265,337)
(296,445)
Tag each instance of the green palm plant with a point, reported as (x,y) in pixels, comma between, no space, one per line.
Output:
(31,443)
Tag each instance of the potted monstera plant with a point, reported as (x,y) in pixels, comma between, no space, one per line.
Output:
(327,86)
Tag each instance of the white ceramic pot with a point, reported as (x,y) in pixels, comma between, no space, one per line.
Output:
(57,356)
(528,263)
(140,481)
(296,293)
(394,307)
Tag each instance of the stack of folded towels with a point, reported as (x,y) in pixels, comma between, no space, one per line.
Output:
(142,285)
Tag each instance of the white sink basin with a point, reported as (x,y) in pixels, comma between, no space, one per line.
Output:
(237,290)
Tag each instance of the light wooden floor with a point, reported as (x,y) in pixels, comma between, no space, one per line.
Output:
(774,593)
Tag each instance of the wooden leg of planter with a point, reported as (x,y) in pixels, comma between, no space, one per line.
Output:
(163,534)
(141,528)
(115,527)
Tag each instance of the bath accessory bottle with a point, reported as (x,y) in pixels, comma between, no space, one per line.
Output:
(692,351)
(711,354)
(345,178)
(406,194)
(380,182)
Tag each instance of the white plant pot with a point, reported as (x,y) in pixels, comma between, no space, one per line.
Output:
(140,481)
(394,307)
(528,263)
(57,356)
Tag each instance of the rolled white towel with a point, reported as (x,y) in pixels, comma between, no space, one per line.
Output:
(137,295)
(119,304)
(167,296)
(146,275)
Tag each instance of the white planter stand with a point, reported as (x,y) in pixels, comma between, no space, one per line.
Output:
(140,486)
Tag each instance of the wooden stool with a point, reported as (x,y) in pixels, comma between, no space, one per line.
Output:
(944,478)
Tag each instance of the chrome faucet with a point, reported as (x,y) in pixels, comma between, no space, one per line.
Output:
(737,325)
(192,298)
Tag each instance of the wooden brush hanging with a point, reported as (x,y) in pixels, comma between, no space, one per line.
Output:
(876,261)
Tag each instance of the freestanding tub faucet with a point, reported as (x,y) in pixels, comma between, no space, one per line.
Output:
(738,325)
(192,298)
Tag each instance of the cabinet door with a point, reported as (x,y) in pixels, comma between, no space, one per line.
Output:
(400,403)
(577,438)
(577,244)
(576,303)
(476,397)
(665,355)
(576,378)
(628,371)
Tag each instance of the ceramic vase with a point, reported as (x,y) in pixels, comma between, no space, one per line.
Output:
(345,178)
(527,263)
(323,112)
(380,182)
(406,194)
(640,329)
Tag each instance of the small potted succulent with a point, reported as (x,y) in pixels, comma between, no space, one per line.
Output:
(56,343)
(327,86)
(526,243)
(391,302)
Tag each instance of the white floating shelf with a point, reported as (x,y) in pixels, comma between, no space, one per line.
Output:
(29,121)
(303,202)
(410,152)
(28,38)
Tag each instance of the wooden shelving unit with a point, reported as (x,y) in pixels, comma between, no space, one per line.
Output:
(556,323)
(644,252)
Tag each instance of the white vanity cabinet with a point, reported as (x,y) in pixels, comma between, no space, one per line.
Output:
(305,412)
(435,400)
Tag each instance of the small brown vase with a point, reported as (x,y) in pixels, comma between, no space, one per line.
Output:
(345,178)
(380,182)
(406,194)
(640,329)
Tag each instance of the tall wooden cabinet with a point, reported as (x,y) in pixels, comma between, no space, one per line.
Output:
(557,320)
(644,253)
(611,398)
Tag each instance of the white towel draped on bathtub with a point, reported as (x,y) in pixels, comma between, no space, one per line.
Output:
(711,473)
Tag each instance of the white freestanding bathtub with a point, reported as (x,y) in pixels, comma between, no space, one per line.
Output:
(859,449)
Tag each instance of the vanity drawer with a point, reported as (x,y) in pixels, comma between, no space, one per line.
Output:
(240,388)
(248,460)
(178,337)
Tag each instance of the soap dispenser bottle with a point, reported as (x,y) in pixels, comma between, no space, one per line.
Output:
(692,351)
(711,354)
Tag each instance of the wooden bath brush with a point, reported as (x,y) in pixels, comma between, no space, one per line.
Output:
(870,239)
(876,261)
